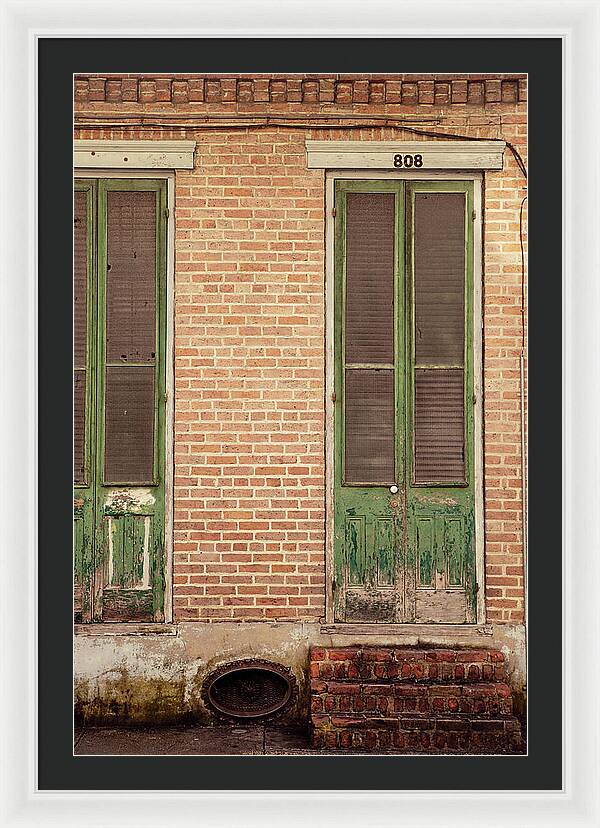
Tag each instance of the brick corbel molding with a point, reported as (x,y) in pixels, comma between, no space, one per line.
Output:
(396,89)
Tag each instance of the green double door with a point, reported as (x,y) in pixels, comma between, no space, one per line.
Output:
(119,399)
(404,542)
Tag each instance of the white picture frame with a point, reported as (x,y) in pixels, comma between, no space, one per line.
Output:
(578,24)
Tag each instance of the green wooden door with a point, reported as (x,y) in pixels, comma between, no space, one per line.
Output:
(119,433)
(403,471)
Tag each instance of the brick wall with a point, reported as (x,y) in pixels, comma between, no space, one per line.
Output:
(249,318)
(249,493)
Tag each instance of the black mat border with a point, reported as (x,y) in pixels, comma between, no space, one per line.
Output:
(58,59)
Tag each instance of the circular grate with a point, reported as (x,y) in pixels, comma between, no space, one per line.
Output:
(250,689)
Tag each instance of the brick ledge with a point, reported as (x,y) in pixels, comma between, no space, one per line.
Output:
(402,631)
(134,628)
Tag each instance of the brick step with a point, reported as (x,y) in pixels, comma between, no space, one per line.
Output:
(412,700)
(383,698)
(454,665)
(414,733)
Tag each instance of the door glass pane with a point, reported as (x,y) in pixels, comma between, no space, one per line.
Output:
(369,422)
(439,426)
(129,425)
(131,277)
(370,277)
(80,276)
(439,254)
(79,426)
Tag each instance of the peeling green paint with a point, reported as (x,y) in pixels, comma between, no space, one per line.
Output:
(385,544)
(454,534)
(425,551)
(420,497)
(134,499)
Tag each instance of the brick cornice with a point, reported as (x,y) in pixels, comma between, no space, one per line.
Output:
(411,90)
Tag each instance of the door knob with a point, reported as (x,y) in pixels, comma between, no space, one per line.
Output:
(394,489)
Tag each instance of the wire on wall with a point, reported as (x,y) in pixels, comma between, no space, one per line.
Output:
(401,122)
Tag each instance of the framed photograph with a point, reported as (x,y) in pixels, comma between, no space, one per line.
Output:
(329,518)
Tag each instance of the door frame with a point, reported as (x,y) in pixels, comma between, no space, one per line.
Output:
(385,175)
(169,176)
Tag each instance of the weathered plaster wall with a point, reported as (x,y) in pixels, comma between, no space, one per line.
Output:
(152,678)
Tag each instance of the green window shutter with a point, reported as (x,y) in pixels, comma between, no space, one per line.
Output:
(369,288)
(439,336)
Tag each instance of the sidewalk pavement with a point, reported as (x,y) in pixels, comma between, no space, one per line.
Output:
(260,740)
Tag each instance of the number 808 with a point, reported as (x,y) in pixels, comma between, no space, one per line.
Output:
(408,161)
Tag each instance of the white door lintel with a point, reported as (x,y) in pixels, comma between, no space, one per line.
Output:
(135,155)
(405,155)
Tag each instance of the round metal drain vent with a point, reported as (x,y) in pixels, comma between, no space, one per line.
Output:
(249,689)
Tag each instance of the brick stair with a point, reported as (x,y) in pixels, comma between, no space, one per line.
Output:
(412,700)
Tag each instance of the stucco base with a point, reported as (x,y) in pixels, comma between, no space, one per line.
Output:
(147,678)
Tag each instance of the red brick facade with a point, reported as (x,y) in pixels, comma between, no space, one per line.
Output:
(249,473)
